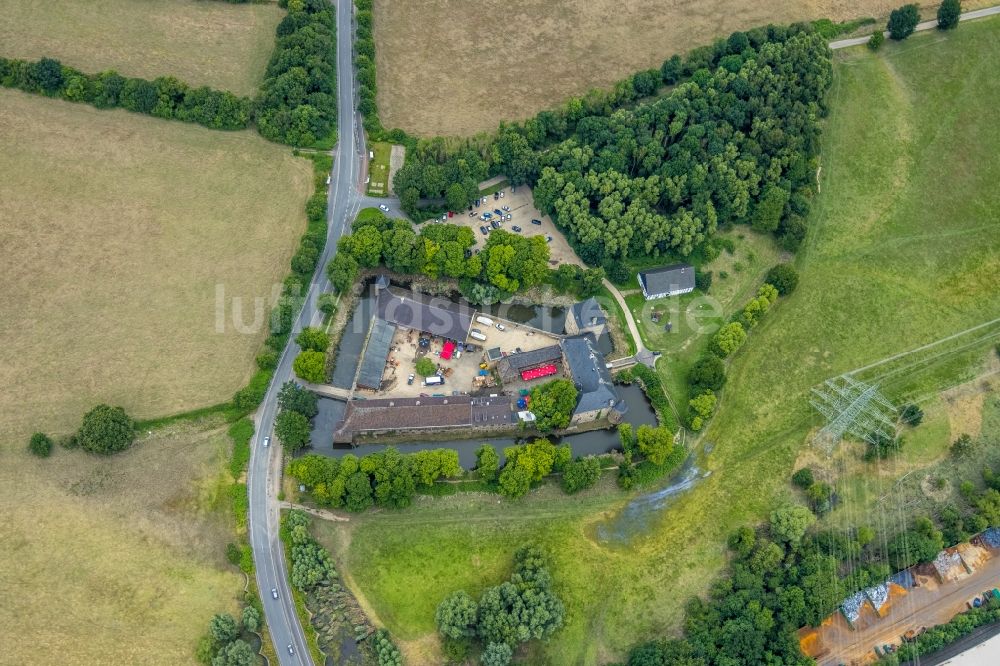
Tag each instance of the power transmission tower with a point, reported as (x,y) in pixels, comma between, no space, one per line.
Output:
(852,407)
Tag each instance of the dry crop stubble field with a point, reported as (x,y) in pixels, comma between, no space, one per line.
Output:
(452,67)
(216,44)
(117,560)
(116,229)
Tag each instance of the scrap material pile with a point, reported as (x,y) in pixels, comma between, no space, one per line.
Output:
(878,595)
(851,608)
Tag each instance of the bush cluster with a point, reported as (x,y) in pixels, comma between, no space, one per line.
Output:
(164,97)
(514,612)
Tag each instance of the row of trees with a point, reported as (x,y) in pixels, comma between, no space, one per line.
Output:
(297,102)
(387,478)
(903,21)
(507,264)
(708,374)
(518,610)
(164,97)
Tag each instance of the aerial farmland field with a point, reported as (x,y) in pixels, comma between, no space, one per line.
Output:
(471,65)
(217,44)
(117,229)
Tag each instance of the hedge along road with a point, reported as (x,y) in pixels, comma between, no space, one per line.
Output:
(264,472)
(925,25)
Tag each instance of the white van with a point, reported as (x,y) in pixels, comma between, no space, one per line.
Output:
(485,321)
(476,335)
(434,380)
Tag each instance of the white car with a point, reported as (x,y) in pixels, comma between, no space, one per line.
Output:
(274,592)
(267,442)
(328,180)
(291,650)
(501,327)
(383,208)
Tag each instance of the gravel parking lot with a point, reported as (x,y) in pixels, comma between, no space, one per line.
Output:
(522,211)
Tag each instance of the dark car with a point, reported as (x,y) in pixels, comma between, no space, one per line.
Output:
(516,228)
(484,230)
(548,239)
(496,225)
(498,212)
(538,222)
(496,195)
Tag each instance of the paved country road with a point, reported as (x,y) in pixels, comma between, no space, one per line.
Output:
(264,472)
(925,25)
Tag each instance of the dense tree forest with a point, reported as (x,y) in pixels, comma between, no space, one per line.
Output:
(733,142)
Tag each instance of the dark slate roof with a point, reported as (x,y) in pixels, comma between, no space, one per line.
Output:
(530,359)
(416,413)
(494,354)
(429,314)
(376,354)
(668,278)
(589,313)
(591,377)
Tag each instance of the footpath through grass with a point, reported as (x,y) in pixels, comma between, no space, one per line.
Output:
(904,249)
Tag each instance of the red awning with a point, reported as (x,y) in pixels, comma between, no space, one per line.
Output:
(543,371)
(448,348)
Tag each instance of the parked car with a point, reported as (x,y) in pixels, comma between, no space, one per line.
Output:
(327,180)
(477,203)
(383,208)
(548,239)
(484,231)
(516,228)
(501,194)
(496,195)
(444,218)
(267,442)
(274,592)
(508,216)
(496,225)
(538,222)
(472,213)
(409,380)
(501,327)
(498,212)
(506,208)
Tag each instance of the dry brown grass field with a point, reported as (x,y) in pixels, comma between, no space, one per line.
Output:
(116,560)
(116,229)
(216,44)
(452,67)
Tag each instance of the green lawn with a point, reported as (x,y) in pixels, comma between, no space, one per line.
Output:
(695,317)
(904,249)
(378,170)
